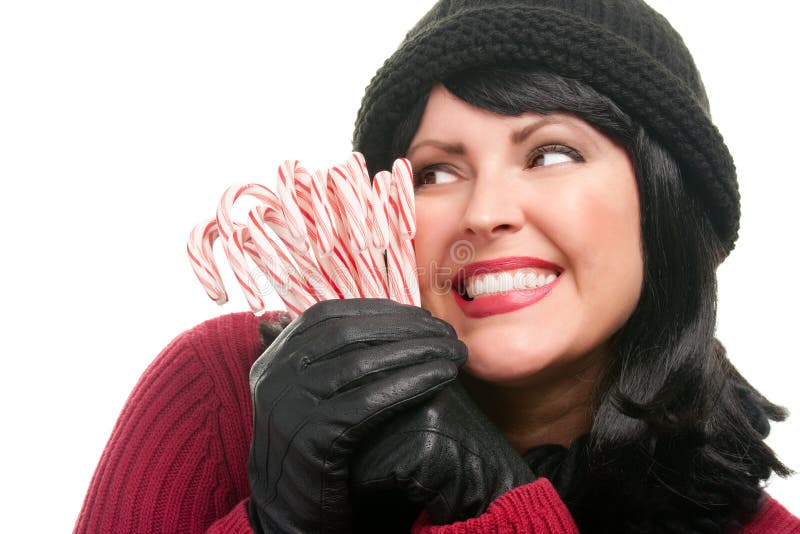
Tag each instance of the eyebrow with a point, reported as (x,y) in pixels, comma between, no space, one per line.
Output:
(517,137)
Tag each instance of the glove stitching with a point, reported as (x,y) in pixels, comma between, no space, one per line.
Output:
(356,382)
(369,339)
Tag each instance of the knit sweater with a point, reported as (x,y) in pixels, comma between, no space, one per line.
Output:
(176,460)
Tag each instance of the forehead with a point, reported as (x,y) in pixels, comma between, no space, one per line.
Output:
(449,119)
(444,111)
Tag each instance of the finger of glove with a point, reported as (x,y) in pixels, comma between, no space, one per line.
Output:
(287,400)
(428,457)
(337,328)
(323,376)
(319,432)
(416,443)
(357,412)
(444,452)
(335,336)
(427,466)
(395,463)
(331,377)
(319,401)
(386,459)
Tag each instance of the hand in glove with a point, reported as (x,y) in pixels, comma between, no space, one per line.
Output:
(444,453)
(329,379)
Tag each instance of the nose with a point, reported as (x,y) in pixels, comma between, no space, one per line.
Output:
(492,211)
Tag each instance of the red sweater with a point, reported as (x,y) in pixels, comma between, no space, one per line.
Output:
(176,460)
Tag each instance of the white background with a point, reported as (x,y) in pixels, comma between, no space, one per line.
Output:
(122,122)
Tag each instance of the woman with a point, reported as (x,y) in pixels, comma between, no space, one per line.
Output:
(573,203)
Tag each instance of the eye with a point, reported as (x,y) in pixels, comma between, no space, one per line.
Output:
(553,154)
(433,175)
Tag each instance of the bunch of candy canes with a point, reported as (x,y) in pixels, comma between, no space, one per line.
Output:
(342,235)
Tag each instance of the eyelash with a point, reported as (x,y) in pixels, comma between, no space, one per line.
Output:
(556,148)
(535,153)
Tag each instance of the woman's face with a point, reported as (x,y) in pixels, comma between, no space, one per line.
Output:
(527,238)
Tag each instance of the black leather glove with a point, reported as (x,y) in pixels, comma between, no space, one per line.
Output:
(444,453)
(327,381)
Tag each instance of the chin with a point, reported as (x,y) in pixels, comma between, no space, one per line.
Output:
(504,362)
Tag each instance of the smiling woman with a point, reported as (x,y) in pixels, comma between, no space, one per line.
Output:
(601,335)
(574,202)
(577,220)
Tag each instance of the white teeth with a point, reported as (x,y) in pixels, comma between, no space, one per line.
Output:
(478,285)
(489,284)
(504,280)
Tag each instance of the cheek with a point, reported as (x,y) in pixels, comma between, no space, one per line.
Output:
(598,220)
(597,228)
(432,245)
(429,236)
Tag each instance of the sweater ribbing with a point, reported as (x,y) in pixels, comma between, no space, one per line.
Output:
(176,459)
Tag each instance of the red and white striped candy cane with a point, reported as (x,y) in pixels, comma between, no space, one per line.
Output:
(339,221)
(288,202)
(368,273)
(200,247)
(349,198)
(403,180)
(317,215)
(294,193)
(233,244)
(377,222)
(335,227)
(339,263)
(394,269)
(275,264)
(302,197)
(377,227)
(235,235)
(321,214)
(307,274)
(402,246)
(327,246)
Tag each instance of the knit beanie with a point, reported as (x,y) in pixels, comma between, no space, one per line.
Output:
(623,49)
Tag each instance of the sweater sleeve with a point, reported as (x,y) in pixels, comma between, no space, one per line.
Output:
(176,459)
(534,508)
(772,518)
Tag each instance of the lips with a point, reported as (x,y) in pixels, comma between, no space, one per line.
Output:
(507,301)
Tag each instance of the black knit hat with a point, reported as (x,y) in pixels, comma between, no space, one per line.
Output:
(621,48)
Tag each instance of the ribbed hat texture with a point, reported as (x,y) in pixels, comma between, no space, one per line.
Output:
(622,48)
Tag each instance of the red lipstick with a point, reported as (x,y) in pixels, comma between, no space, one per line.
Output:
(507,301)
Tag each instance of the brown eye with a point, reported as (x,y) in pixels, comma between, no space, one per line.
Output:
(433,176)
(552,155)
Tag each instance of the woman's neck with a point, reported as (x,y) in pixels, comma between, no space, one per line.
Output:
(549,409)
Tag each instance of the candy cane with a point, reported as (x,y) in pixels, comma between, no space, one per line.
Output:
(339,262)
(288,198)
(403,180)
(403,282)
(201,256)
(335,227)
(322,214)
(367,272)
(289,285)
(377,227)
(295,194)
(327,246)
(235,235)
(302,188)
(339,223)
